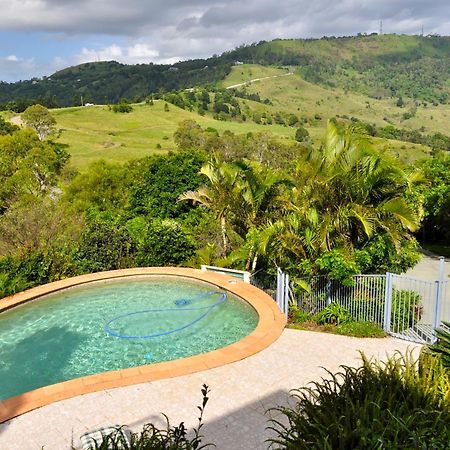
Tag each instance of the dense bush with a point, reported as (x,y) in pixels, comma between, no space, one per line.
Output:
(301,134)
(105,245)
(122,107)
(164,179)
(390,405)
(164,243)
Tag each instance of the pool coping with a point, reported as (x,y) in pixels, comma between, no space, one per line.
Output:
(270,326)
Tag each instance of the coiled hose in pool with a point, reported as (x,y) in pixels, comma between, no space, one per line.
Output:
(181,304)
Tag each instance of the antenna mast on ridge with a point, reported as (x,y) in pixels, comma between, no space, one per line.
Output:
(381,27)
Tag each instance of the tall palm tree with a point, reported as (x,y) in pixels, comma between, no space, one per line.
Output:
(344,192)
(218,195)
(260,189)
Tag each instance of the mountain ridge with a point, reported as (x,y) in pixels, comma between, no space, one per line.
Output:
(379,66)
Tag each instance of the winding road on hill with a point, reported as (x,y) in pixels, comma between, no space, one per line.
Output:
(258,79)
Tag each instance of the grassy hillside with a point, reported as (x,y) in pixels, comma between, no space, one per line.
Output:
(378,66)
(246,72)
(95,132)
(292,94)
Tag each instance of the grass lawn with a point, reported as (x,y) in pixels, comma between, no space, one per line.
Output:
(355,329)
(245,72)
(95,132)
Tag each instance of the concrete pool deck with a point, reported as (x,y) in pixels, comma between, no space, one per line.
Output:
(240,394)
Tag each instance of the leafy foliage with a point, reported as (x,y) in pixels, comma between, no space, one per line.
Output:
(39,118)
(164,243)
(122,107)
(29,168)
(105,245)
(301,134)
(436,196)
(334,313)
(442,347)
(406,309)
(379,405)
(164,178)
(7,127)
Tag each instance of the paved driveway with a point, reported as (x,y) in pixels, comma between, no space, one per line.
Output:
(241,392)
(428,268)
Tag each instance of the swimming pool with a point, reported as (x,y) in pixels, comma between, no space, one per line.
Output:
(115,324)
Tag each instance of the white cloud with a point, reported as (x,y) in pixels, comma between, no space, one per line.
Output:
(135,54)
(13,58)
(161,31)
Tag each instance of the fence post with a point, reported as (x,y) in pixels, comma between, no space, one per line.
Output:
(286,295)
(388,303)
(438,298)
(279,281)
(328,291)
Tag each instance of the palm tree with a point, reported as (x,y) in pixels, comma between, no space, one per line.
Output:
(218,195)
(344,193)
(260,190)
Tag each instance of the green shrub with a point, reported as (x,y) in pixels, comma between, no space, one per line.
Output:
(406,309)
(390,405)
(153,438)
(11,283)
(122,108)
(371,309)
(18,273)
(297,315)
(301,134)
(333,314)
(104,245)
(165,243)
(360,329)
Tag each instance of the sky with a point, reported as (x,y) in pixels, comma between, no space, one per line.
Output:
(38,37)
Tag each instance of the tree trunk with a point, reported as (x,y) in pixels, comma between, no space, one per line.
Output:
(255,260)
(224,235)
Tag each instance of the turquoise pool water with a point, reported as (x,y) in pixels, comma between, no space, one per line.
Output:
(62,336)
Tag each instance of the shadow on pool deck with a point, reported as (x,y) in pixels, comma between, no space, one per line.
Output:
(20,361)
(244,428)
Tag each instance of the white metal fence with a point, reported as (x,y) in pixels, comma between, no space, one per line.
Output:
(408,308)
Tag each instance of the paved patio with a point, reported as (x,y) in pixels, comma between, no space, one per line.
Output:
(240,394)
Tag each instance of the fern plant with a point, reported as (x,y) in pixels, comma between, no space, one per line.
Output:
(153,438)
(391,405)
(334,314)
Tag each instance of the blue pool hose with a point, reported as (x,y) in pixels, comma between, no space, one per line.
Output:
(181,303)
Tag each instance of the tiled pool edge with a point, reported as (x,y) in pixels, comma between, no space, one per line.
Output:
(270,326)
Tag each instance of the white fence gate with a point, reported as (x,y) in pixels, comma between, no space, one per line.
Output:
(408,308)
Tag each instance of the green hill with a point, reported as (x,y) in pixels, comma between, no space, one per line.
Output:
(377,66)
(91,133)
(96,132)
(396,85)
